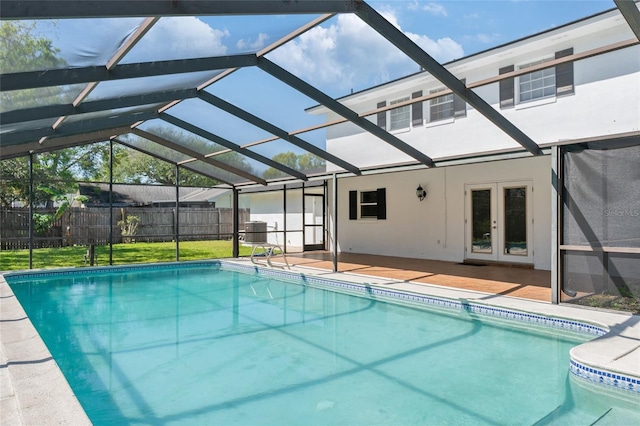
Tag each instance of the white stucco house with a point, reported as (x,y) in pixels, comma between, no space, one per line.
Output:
(487,199)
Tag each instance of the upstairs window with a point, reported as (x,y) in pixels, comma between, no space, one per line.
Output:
(546,83)
(411,115)
(441,107)
(400,117)
(446,106)
(538,84)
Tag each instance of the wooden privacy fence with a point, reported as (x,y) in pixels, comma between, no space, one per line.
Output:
(83,226)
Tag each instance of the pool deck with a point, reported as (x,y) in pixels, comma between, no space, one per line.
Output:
(526,283)
(34,391)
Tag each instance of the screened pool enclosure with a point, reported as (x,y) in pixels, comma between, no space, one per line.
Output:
(182,122)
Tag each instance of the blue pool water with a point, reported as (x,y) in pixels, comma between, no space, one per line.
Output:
(200,345)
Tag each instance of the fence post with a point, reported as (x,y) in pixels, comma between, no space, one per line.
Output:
(92,254)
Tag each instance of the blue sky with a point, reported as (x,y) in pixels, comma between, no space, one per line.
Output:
(340,55)
(447,30)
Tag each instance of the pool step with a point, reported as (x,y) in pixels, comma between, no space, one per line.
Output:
(609,417)
(602,417)
(615,417)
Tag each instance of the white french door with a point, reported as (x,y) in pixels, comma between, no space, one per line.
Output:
(499,222)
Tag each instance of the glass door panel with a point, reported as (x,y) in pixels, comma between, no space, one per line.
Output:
(314,222)
(515,221)
(481,223)
(313,236)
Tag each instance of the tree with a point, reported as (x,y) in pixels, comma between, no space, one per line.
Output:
(307,163)
(44,221)
(132,166)
(57,170)
(14,178)
(21,49)
(311,163)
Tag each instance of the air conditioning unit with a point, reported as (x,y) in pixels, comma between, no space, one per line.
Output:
(255,232)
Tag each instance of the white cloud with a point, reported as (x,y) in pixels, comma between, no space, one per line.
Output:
(257,44)
(413,5)
(484,38)
(435,9)
(444,49)
(349,54)
(488,38)
(180,37)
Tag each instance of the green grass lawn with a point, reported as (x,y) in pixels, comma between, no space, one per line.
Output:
(11,260)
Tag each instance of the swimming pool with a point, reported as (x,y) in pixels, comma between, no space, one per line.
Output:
(201,344)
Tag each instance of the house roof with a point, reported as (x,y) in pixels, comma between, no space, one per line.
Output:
(140,195)
(120,89)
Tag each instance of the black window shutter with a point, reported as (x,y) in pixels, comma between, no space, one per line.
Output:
(382,203)
(416,110)
(353,205)
(507,89)
(459,105)
(432,106)
(564,74)
(382,116)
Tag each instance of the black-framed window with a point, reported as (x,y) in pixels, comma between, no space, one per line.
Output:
(368,204)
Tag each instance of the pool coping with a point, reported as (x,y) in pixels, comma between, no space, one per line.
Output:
(33,390)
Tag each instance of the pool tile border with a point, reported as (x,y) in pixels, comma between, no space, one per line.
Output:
(475,308)
(109,269)
(603,377)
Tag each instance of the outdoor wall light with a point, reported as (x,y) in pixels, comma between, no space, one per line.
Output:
(421,193)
